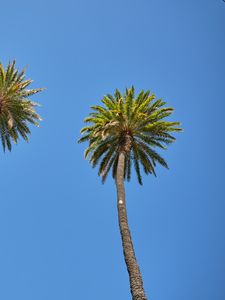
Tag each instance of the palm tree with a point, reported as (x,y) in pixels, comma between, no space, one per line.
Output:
(16,109)
(123,132)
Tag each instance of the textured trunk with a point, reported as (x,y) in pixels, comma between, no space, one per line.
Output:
(136,284)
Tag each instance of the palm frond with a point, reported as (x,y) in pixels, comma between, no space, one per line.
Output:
(129,124)
(136,165)
(16,110)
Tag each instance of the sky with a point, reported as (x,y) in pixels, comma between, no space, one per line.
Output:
(59,236)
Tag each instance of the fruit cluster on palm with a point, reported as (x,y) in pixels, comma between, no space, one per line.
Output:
(123,132)
(16,109)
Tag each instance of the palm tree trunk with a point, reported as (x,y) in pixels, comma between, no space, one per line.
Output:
(136,284)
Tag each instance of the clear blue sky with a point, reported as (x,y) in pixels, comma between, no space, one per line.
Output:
(58,224)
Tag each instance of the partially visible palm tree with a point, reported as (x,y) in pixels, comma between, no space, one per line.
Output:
(124,131)
(16,109)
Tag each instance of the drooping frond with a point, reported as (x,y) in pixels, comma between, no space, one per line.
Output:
(136,159)
(16,109)
(129,124)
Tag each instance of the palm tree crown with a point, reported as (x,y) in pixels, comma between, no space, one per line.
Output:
(129,124)
(16,109)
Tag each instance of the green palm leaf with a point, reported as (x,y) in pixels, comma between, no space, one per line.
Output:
(129,124)
(16,109)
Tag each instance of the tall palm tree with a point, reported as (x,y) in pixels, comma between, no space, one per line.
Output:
(124,131)
(16,109)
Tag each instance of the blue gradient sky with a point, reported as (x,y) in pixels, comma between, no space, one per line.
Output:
(58,223)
